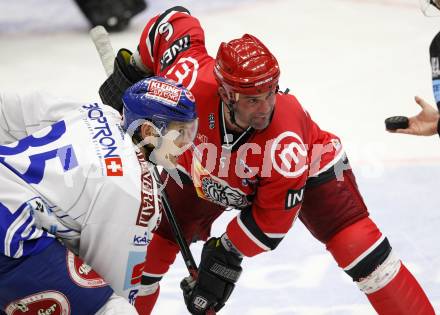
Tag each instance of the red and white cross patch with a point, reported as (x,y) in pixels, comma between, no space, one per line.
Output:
(114,166)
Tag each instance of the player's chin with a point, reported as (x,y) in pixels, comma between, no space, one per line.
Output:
(168,162)
(260,123)
(173,159)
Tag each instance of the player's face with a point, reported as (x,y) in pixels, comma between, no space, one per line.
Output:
(255,110)
(168,144)
(186,132)
(177,139)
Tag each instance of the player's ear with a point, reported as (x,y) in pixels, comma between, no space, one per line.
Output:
(149,135)
(147,130)
(223,94)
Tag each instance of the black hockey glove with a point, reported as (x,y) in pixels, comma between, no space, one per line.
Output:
(124,75)
(219,270)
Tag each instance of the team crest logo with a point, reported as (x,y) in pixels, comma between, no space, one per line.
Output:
(82,274)
(42,303)
(223,194)
(185,71)
(289,155)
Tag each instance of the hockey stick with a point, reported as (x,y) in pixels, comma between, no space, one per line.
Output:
(177,231)
(103,45)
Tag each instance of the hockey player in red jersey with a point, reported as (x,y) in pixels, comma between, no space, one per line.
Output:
(257,150)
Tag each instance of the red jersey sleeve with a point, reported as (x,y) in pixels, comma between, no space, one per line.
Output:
(326,153)
(262,227)
(168,37)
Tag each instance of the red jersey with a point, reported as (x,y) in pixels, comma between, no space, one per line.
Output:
(264,172)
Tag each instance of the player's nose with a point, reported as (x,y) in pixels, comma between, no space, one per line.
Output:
(265,108)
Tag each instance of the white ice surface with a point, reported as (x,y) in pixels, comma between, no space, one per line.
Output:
(351,63)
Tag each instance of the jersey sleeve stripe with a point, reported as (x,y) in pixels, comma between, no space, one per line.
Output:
(13,233)
(251,234)
(355,262)
(19,228)
(340,157)
(36,233)
(149,43)
(23,234)
(247,236)
(370,262)
(19,251)
(152,275)
(27,233)
(164,17)
(241,241)
(328,173)
(148,279)
(270,242)
(275,235)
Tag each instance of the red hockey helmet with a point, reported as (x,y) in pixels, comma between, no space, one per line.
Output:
(246,66)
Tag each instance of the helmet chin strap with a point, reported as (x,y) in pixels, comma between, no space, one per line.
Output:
(230,104)
(231,109)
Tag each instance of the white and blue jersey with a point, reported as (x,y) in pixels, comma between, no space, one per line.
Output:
(79,178)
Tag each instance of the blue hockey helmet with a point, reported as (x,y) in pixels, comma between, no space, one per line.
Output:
(158,100)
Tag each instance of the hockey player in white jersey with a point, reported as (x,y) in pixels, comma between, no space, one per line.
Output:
(85,179)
